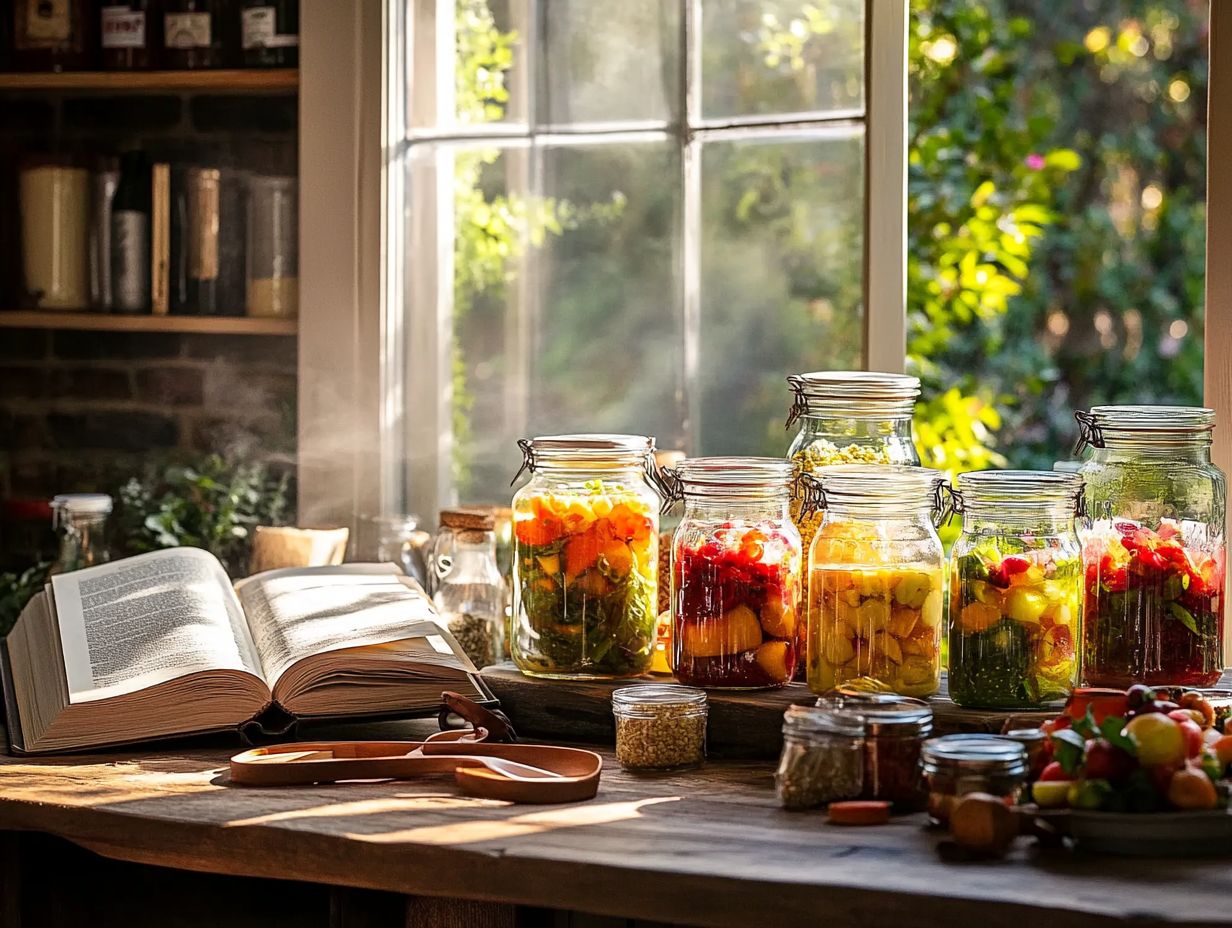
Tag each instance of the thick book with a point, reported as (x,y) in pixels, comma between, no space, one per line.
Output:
(163,645)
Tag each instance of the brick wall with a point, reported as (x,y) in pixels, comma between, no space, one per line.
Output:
(81,411)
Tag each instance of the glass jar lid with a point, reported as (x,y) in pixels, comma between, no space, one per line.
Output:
(586,450)
(977,753)
(852,395)
(882,714)
(810,722)
(1156,425)
(881,489)
(1018,491)
(647,700)
(748,478)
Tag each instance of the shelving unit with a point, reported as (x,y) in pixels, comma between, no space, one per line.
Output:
(275,80)
(109,322)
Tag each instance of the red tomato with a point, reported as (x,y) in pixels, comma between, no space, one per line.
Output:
(1054,771)
(1015,564)
(1193,737)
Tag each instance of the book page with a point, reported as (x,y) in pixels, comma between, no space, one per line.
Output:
(148,619)
(298,612)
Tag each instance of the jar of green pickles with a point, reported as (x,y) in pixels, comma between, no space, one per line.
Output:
(1015,590)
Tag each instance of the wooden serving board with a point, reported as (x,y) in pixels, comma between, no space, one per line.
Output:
(742,724)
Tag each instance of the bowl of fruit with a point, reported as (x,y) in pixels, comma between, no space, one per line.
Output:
(1142,772)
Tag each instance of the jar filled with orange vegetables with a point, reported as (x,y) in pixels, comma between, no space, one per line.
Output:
(737,588)
(876,579)
(585,566)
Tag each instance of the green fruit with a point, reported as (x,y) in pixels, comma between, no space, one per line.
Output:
(1088,794)
(1051,794)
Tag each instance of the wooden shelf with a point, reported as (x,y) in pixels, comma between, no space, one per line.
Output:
(253,80)
(109,322)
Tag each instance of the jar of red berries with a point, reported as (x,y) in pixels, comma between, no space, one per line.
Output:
(736,573)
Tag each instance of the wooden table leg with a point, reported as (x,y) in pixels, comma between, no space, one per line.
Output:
(433,912)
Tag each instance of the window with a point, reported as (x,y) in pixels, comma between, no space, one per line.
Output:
(624,217)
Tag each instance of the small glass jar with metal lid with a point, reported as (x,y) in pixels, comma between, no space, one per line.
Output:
(955,765)
(875,603)
(895,729)
(585,568)
(822,759)
(1015,590)
(737,578)
(81,520)
(1154,549)
(660,727)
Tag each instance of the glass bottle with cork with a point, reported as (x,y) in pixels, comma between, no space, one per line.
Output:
(470,591)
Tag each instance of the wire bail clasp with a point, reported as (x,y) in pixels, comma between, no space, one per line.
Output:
(799,405)
(670,487)
(812,495)
(528,459)
(947,501)
(1090,435)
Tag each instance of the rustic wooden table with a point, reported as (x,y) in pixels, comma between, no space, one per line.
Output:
(704,848)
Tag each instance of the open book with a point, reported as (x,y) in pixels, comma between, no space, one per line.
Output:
(161,644)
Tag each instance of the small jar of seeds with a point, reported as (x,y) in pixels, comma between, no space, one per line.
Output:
(660,727)
(822,759)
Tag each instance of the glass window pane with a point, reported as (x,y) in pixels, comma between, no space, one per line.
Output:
(761,57)
(564,302)
(781,271)
(468,67)
(607,352)
(608,62)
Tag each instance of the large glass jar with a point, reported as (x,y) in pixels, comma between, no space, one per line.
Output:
(585,562)
(1015,590)
(1154,547)
(875,579)
(736,573)
(849,417)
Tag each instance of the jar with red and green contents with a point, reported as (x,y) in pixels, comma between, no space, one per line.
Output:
(1153,548)
(585,557)
(1015,590)
(737,587)
(876,579)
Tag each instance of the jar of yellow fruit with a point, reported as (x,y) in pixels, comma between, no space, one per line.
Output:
(586,557)
(876,577)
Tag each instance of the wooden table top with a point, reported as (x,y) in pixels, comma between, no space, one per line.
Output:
(709,847)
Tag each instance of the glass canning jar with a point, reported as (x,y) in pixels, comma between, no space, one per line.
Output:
(955,765)
(660,727)
(849,417)
(822,759)
(585,561)
(1153,547)
(1015,590)
(875,601)
(895,728)
(737,586)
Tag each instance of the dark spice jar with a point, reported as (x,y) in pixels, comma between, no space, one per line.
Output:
(895,728)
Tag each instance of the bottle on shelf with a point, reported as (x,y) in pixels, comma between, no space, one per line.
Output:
(51,35)
(130,236)
(211,270)
(103,182)
(197,34)
(269,32)
(130,35)
(273,246)
(55,200)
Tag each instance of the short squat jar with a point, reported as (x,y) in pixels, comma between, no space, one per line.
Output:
(955,765)
(1015,590)
(660,727)
(822,759)
(875,602)
(585,568)
(848,417)
(737,587)
(1154,548)
(895,728)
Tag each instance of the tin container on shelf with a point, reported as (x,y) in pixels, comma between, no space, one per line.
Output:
(876,575)
(660,727)
(1015,590)
(737,582)
(1153,550)
(585,562)
(955,765)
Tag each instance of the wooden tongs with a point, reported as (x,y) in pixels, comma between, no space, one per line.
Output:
(525,773)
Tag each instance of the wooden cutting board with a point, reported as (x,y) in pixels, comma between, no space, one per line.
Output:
(742,724)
